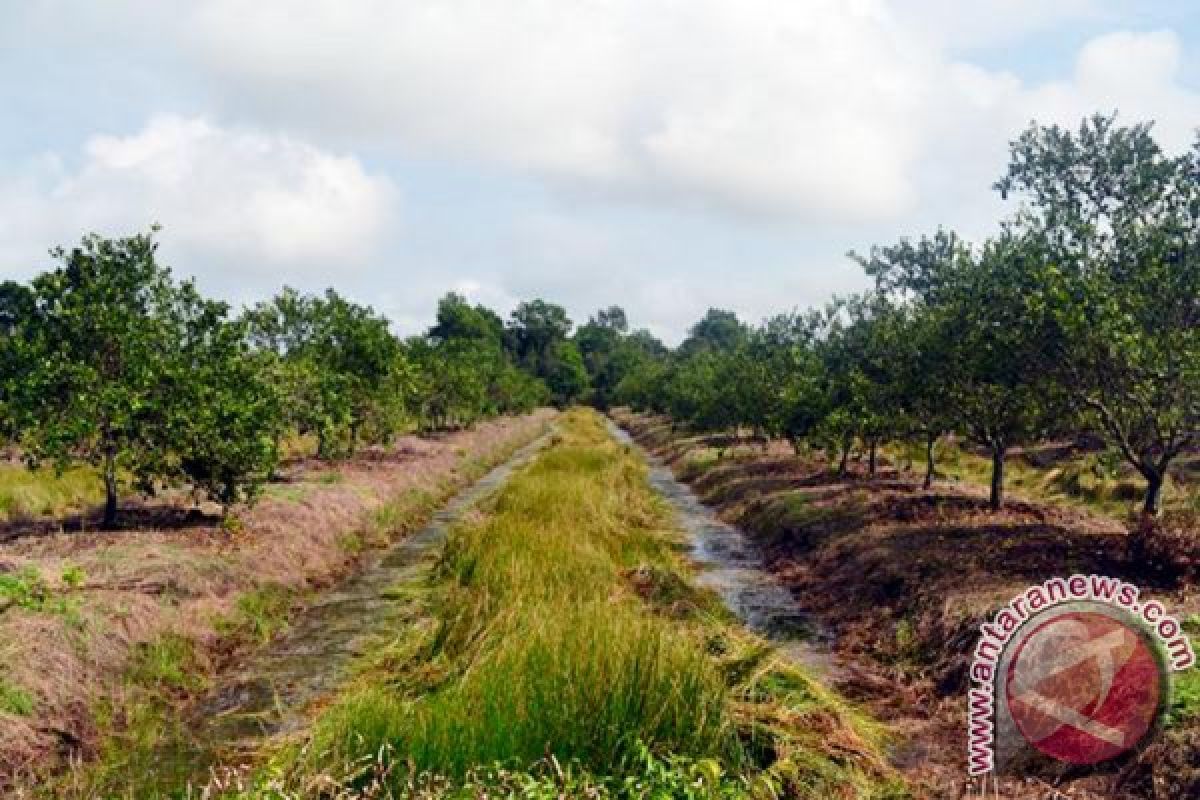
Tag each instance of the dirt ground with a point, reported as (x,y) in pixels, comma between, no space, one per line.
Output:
(174,570)
(903,577)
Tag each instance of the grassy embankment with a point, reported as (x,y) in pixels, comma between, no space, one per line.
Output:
(564,652)
(108,636)
(905,576)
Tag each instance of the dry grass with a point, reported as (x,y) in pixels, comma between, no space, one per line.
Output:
(1096,480)
(904,576)
(131,587)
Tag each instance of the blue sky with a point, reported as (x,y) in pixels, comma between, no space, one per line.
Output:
(665,155)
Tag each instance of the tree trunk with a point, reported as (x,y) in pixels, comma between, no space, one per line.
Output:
(110,490)
(1153,498)
(996,501)
(873,461)
(845,465)
(930,441)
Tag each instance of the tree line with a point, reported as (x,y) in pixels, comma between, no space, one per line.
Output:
(1081,315)
(111,361)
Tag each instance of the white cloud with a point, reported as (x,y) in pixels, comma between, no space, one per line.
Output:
(799,129)
(1137,73)
(799,109)
(815,112)
(234,202)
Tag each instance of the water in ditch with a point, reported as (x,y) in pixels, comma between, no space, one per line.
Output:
(731,565)
(270,693)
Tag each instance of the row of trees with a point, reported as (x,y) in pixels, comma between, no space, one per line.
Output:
(1082,314)
(110,361)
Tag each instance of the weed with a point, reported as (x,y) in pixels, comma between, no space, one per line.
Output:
(290,493)
(352,543)
(260,614)
(73,576)
(15,700)
(907,647)
(667,778)
(232,524)
(27,589)
(1185,690)
(169,662)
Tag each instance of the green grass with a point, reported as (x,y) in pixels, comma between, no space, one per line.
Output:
(33,493)
(15,700)
(563,646)
(1185,697)
(169,662)
(533,677)
(27,588)
(259,614)
(286,492)
(1185,691)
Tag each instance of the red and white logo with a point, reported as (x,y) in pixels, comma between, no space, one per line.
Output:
(1083,687)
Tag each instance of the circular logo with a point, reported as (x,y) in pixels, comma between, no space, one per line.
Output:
(1084,687)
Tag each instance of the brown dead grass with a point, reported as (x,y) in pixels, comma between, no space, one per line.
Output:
(146,581)
(903,577)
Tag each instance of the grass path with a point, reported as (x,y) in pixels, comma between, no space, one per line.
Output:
(564,651)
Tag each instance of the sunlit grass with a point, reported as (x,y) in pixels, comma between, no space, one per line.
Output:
(561,626)
(551,652)
(1088,480)
(32,493)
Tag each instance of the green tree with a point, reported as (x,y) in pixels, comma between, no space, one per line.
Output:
(17,304)
(565,373)
(1001,398)
(917,277)
(717,330)
(120,355)
(609,352)
(536,326)
(337,365)
(458,319)
(986,336)
(453,382)
(226,419)
(1120,276)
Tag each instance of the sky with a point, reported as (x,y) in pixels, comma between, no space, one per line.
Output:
(665,155)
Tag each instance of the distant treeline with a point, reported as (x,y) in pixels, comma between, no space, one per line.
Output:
(1081,315)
